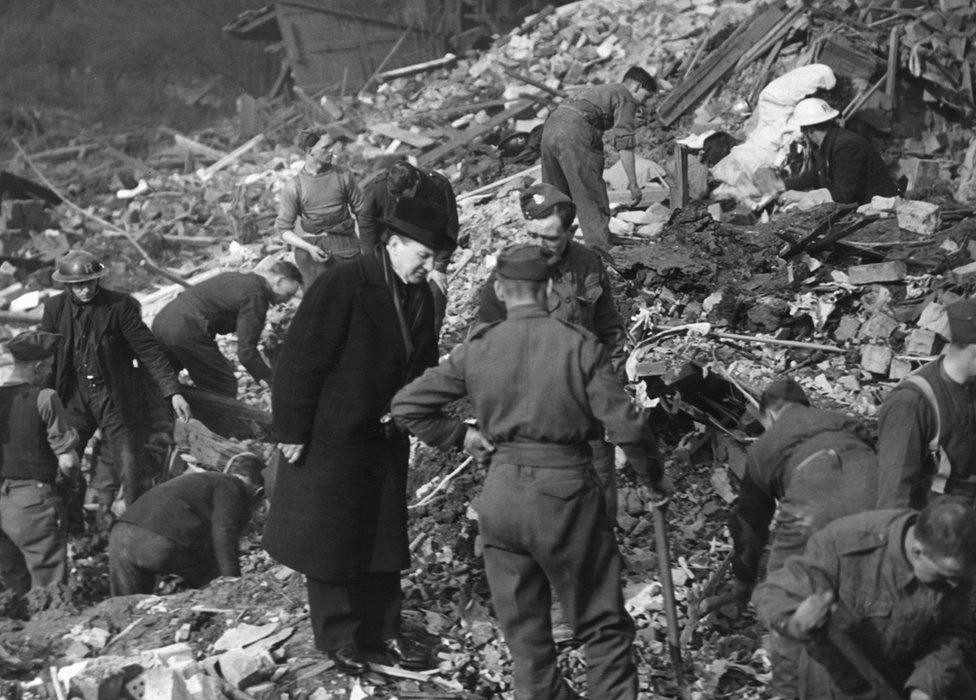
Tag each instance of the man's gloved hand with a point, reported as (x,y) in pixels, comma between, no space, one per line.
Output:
(812,614)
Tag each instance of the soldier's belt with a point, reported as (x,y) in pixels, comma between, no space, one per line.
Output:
(542,454)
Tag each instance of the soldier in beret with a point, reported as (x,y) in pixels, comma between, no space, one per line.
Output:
(572,148)
(580,294)
(339,507)
(541,514)
(37,446)
(927,423)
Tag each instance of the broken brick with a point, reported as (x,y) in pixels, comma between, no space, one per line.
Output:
(891,271)
(921,341)
(879,327)
(876,358)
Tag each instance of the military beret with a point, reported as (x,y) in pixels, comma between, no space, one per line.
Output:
(33,345)
(962,321)
(787,390)
(539,199)
(523,261)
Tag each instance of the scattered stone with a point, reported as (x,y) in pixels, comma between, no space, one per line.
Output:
(243,635)
(917,216)
(847,328)
(876,358)
(921,341)
(878,327)
(891,271)
(243,667)
(899,368)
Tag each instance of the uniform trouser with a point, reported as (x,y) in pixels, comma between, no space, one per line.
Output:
(340,248)
(91,407)
(605,468)
(364,610)
(33,535)
(572,161)
(544,529)
(137,555)
(821,489)
(200,355)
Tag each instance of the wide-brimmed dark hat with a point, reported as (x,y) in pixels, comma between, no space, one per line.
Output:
(422,221)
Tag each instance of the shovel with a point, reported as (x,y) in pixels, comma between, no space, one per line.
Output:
(670,608)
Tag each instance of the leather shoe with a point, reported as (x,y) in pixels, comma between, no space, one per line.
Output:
(349,659)
(409,653)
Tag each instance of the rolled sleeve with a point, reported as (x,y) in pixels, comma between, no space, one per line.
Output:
(288,207)
(250,324)
(60,435)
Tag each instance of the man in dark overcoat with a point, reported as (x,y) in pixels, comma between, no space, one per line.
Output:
(97,370)
(338,513)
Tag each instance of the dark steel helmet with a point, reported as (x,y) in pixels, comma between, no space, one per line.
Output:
(512,145)
(79,266)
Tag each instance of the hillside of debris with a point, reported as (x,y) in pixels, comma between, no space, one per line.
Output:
(720,298)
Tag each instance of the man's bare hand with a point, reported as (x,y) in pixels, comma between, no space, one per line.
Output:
(917,694)
(477,445)
(636,194)
(317,254)
(291,452)
(181,407)
(440,279)
(811,615)
(68,463)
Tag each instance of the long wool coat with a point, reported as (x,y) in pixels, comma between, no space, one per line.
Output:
(341,510)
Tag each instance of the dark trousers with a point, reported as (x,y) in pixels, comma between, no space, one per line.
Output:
(137,555)
(200,355)
(544,530)
(339,247)
(33,535)
(572,162)
(90,408)
(363,611)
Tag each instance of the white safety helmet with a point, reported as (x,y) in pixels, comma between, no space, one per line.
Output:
(812,111)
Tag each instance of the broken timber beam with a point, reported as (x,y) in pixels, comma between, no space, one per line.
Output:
(720,62)
(528,80)
(228,417)
(444,62)
(471,133)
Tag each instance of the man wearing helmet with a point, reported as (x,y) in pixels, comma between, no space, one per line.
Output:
(97,370)
(846,164)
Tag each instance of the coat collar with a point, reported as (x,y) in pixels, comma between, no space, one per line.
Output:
(378,299)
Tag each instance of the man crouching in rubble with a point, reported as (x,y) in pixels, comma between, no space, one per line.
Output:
(820,466)
(189,526)
(845,164)
(897,586)
(37,446)
(541,513)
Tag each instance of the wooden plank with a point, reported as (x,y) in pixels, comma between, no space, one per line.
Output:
(529,80)
(205,445)
(649,195)
(472,133)
(392,131)
(719,63)
(680,198)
